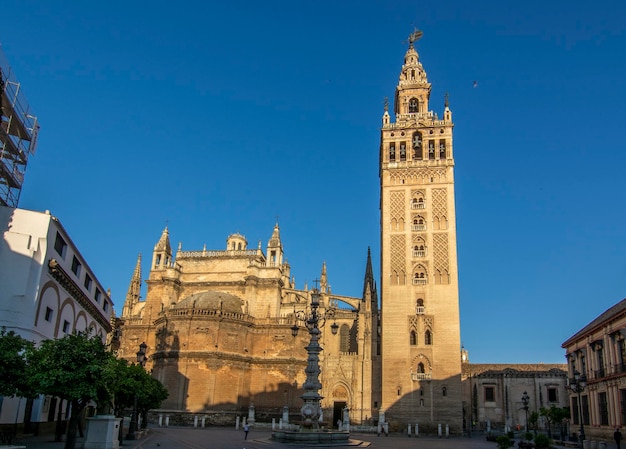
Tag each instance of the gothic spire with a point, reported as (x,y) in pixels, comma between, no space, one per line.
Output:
(134,290)
(323,279)
(369,283)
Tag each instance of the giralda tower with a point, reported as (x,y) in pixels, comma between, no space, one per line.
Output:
(421,347)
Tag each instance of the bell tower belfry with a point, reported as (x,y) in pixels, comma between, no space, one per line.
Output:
(421,373)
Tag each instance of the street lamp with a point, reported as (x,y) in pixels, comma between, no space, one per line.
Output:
(577,385)
(134,424)
(525,401)
(313,321)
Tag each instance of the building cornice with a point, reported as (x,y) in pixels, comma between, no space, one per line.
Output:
(59,274)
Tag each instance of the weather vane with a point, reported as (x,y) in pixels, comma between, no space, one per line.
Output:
(415,36)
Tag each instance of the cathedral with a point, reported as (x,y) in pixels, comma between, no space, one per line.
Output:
(218,323)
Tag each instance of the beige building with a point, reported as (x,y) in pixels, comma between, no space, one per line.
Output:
(597,354)
(421,375)
(218,325)
(493,392)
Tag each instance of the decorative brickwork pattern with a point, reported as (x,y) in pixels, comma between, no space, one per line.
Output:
(441,260)
(397,206)
(398,259)
(418,175)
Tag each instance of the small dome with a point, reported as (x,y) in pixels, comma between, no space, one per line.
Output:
(213,300)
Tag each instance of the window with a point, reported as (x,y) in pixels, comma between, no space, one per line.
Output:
(552,394)
(97,295)
(403,151)
(442,149)
(344,338)
(420,369)
(60,246)
(604,409)
(417,146)
(88,282)
(622,395)
(428,338)
(392,152)
(431,150)
(105,306)
(413,338)
(76,266)
(66,327)
(444,391)
(419,306)
(49,312)
(490,394)
(413,103)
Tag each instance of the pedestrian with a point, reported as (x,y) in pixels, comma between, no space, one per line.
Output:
(617,436)
(246,429)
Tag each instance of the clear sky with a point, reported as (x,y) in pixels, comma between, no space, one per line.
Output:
(219,117)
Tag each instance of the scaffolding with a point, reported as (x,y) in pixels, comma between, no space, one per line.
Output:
(18,135)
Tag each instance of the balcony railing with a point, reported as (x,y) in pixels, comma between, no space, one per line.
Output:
(418,227)
(418,206)
(421,376)
(420,310)
(419,253)
(419,281)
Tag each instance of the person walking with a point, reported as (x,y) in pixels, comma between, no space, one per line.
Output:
(617,436)
(246,429)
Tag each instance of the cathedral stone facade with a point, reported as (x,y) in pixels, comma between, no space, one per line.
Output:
(218,322)
(218,326)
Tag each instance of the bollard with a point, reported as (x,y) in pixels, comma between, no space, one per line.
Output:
(237,422)
(195,422)
(203,421)
(160,419)
(447,431)
(417,430)
(167,420)
(273,423)
(439,430)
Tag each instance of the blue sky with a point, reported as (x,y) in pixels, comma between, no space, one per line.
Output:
(217,117)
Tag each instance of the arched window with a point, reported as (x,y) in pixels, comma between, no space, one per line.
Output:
(413,103)
(442,149)
(419,306)
(344,338)
(417,146)
(413,338)
(431,150)
(444,391)
(419,224)
(392,152)
(403,151)
(428,338)
(420,368)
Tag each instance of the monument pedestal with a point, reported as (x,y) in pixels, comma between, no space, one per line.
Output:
(102,432)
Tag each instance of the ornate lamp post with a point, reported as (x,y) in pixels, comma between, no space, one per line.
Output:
(525,401)
(134,424)
(577,385)
(311,410)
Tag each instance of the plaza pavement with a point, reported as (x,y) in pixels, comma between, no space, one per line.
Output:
(229,438)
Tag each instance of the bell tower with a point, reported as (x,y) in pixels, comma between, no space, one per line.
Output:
(421,374)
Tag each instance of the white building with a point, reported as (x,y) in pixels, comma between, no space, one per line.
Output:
(47,290)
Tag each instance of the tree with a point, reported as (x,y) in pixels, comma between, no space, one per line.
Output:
(71,368)
(153,393)
(554,415)
(532,421)
(14,354)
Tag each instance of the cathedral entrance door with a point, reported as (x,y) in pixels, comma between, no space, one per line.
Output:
(338,412)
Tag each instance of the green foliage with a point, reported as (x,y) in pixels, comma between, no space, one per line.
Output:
(503,442)
(542,441)
(528,436)
(554,415)
(71,367)
(14,354)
